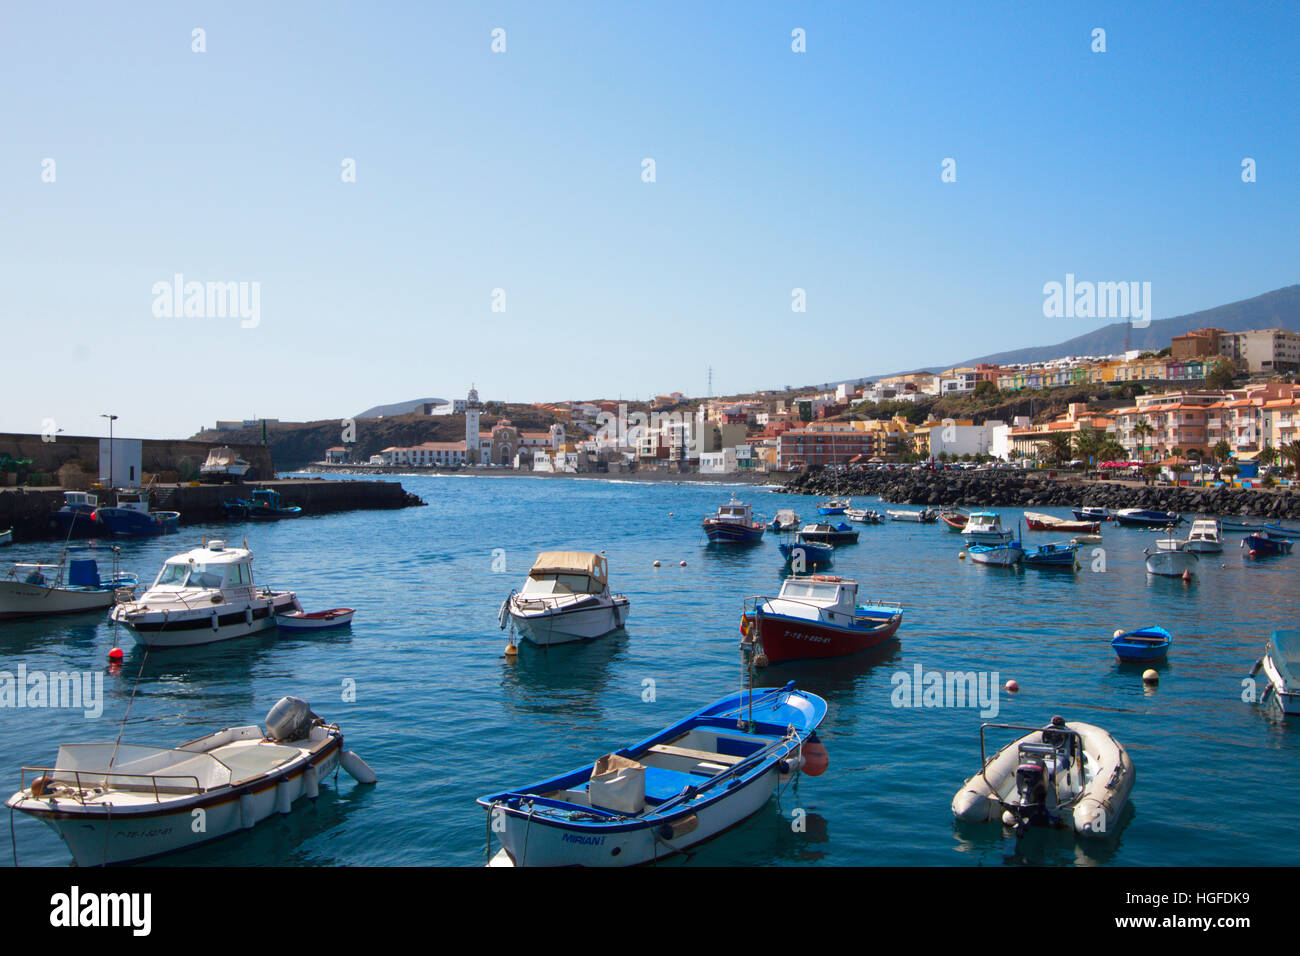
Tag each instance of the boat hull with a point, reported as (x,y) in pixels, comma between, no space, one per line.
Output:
(157,629)
(569,626)
(18,600)
(135,524)
(1171,564)
(791,639)
(724,532)
(542,843)
(1154,519)
(807,554)
(1257,544)
(996,555)
(131,835)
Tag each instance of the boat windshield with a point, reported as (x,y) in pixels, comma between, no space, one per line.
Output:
(186,575)
(558,585)
(820,591)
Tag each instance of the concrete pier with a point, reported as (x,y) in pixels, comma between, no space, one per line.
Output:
(29,511)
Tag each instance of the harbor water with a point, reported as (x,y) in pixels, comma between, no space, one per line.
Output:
(424,693)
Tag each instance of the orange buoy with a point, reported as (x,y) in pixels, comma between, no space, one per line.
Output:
(815,758)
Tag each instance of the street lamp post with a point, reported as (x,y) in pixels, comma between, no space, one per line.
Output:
(111,419)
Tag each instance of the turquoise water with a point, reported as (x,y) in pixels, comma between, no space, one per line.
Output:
(442,716)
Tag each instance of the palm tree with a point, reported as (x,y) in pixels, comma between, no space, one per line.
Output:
(1142,430)
(1087,444)
(1055,449)
(1291,452)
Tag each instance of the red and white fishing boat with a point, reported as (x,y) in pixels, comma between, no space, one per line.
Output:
(817,616)
(319,620)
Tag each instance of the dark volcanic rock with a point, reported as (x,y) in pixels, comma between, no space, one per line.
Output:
(1012,489)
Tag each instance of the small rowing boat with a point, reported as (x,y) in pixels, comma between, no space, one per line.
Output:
(317,621)
(1059,554)
(1144,644)
(667,793)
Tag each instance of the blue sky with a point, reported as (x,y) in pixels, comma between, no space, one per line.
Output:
(522,171)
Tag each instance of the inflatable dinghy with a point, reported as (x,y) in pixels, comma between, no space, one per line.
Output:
(1065,774)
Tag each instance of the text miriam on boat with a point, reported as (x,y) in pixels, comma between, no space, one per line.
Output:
(117,803)
(673,790)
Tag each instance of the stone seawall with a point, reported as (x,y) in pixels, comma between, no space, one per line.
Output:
(157,455)
(975,489)
(30,511)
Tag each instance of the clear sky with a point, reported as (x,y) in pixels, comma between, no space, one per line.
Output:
(523,171)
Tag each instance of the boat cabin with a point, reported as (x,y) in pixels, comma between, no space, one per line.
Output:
(557,574)
(80,501)
(734,512)
(214,567)
(133,501)
(266,498)
(820,597)
(984,521)
(1206,529)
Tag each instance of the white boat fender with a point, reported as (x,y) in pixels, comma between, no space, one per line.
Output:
(790,765)
(248,614)
(216,621)
(283,801)
(247,814)
(311,783)
(357,768)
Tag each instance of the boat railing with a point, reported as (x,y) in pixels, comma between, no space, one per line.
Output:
(1076,750)
(104,776)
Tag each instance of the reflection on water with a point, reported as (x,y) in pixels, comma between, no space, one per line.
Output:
(423,692)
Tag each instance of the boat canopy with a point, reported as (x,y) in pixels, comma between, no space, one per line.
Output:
(569,562)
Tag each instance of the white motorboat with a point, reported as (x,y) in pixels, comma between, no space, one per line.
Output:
(863,515)
(1171,564)
(223,465)
(1071,774)
(201,597)
(985,527)
(116,803)
(924,516)
(1206,536)
(1281,663)
(37,590)
(785,520)
(565,598)
(6,537)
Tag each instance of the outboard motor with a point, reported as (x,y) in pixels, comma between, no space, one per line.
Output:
(1031,786)
(290,719)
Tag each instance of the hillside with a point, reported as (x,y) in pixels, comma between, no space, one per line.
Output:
(295,445)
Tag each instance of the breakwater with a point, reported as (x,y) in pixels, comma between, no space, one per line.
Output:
(30,511)
(974,489)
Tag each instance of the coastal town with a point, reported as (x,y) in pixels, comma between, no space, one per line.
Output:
(1212,398)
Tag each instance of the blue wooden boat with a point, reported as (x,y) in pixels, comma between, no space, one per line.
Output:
(265,506)
(673,790)
(734,523)
(1146,518)
(1250,527)
(1059,554)
(835,506)
(1280,531)
(1266,541)
(809,554)
(133,518)
(76,519)
(236,509)
(1144,644)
